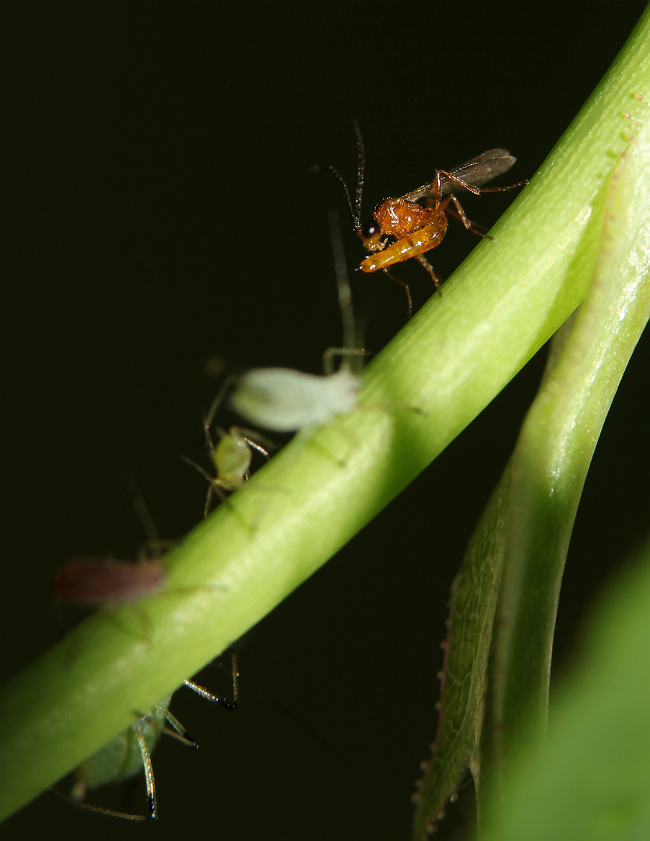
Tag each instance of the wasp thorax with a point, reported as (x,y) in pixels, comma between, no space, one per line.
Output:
(400,217)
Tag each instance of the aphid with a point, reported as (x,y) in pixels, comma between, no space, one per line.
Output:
(285,400)
(130,752)
(124,757)
(97,582)
(417,229)
(231,456)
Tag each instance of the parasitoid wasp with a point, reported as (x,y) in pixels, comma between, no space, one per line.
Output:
(417,229)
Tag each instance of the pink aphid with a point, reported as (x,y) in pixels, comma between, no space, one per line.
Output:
(97,581)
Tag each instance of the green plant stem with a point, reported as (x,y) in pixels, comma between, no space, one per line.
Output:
(552,458)
(504,600)
(449,362)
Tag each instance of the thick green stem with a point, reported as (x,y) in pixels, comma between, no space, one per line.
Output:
(553,456)
(449,362)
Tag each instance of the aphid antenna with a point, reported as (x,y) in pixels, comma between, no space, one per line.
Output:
(218,400)
(349,350)
(342,285)
(154,546)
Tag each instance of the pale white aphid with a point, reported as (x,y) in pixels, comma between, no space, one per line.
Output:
(285,400)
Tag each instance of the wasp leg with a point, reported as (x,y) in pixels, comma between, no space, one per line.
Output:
(406,289)
(473,227)
(460,214)
(426,265)
(471,188)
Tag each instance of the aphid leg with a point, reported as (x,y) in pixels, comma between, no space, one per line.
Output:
(222,702)
(259,443)
(213,488)
(207,477)
(332,352)
(154,546)
(213,485)
(360,171)
(207,438)
(149,778)
(422,260)
(79,791)
(406,289)
(178,732)
(341,269)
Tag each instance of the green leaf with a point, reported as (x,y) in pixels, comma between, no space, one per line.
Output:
(590,779)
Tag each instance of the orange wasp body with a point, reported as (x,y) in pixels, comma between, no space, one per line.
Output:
(417,229)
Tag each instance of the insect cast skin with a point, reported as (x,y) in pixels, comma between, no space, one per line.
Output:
(97,581)
(284,400)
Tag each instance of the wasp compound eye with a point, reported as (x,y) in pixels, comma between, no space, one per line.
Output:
(370,229)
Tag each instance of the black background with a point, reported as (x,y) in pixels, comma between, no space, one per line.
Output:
(159,209)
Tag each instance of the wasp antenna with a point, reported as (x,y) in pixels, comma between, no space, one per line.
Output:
(341,181)
(360,174)
(342,281)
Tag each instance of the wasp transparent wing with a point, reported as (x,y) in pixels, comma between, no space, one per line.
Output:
(477,171)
